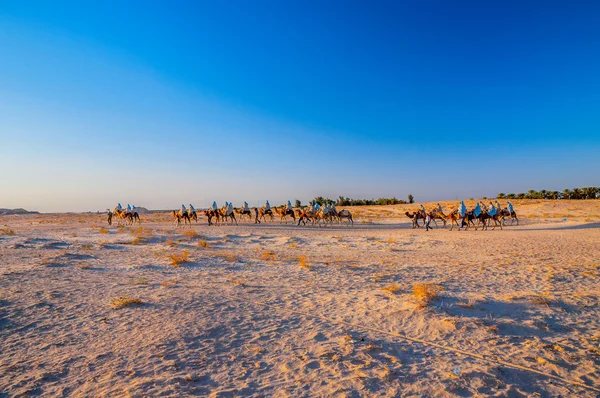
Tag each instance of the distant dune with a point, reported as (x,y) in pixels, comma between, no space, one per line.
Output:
(10,212)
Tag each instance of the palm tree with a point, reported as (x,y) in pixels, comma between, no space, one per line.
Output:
(411,199)
(500,196)
(567,193)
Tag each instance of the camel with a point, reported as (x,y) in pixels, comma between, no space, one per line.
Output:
(506,213)
(225,214)
(435,214)
(326,217)
(243,213)
(262,212)
(453,217)
(415,218)
(303,215)
(284,212)
(179,216)
(210,214)
(192,215)
(345,214)
(126,216)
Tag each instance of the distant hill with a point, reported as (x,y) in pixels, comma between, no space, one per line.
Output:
(10,212)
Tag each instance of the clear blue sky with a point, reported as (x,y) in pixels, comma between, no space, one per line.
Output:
(162,103)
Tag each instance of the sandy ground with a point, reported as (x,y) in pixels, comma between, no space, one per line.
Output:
(281,310)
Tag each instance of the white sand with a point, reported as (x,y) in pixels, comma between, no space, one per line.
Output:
(243,317)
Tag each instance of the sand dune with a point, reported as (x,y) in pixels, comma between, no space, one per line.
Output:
(378,309)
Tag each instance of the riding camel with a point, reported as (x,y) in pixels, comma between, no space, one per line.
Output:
(435,214)
(284,212)
(243,213)
(262,212)
(226,213)
(453,217)
(210,214)
(192,215)
(507,213)
(178,215)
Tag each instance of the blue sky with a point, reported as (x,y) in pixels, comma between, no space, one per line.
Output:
(163,103)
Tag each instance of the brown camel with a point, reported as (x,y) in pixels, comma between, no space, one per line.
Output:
(435,214)
(262,212)
(179,216)
(415,217)
(210,214)
(224,215)
(506,213)
(345,214)
(284,212)
(243,213)
(453,217)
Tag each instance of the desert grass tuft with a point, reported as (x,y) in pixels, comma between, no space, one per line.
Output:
(83,266)
(190,234)
(268,255)
(178,259)
(125,301)
(393,288)
(169,283)
(139,240)
(230,256)
(103,230)
(7,231)
(202,243)
(302,262)
(425,293)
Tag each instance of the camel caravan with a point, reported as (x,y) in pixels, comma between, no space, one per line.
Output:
(481,216)
(314,215)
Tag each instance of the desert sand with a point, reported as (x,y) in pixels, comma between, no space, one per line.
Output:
(378,309)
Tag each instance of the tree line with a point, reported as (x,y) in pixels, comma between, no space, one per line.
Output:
(575,193)
(343,201)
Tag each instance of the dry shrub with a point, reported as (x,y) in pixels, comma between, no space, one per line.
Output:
(268,255)
(190,234)
(138,230)
(124,301)
(302,262)
(393,288)
(293,245)
(86,247)
(178,259)
(390,241)
(202,243)
(169,283)
(237,282)
(425,293)
(139,281)
(170,243)
(7,231)
(139,240)
(229,256)
(83,266)
(121,230)
(103,230)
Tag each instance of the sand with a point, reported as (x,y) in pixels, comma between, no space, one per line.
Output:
(281,310)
